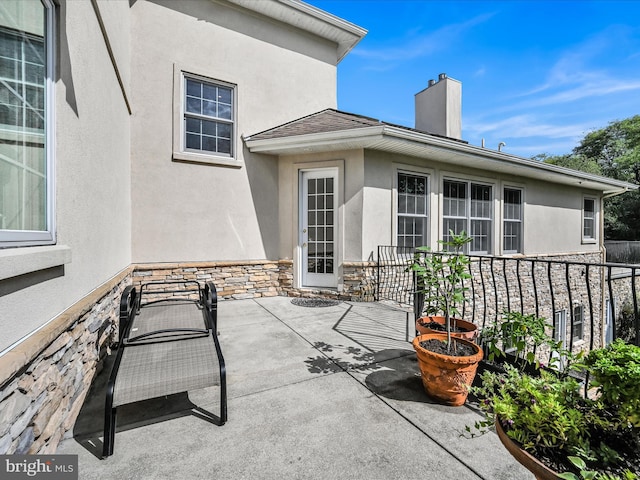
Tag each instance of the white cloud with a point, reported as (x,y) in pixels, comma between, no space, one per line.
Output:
(524,126)
(415,46)
(572,77)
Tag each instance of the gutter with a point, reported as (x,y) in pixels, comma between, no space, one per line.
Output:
(368,137)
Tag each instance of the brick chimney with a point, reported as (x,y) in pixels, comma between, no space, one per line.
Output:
(439,107)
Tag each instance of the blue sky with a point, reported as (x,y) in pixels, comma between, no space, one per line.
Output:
(536,75)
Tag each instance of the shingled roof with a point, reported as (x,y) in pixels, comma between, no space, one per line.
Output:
(328,120)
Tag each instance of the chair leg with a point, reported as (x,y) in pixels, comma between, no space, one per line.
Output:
(109,432)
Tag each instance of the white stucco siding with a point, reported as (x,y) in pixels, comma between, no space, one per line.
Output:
(92,174)
(377,217)
(552,218)
(280,73)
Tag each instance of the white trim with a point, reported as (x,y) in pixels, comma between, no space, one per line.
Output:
(521,189)
(418,172)
(594,239)
(180,153)
(324,280)
(423,145)
(296,172)
(469,179)
(303,16)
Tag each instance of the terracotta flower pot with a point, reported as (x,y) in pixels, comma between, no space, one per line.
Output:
(446,378)
(470,333)
(531,463)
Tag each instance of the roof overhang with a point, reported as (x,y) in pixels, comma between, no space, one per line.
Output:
(311,19)
(416,144)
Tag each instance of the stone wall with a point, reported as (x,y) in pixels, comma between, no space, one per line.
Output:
(242,280)
(233,280)
(540,286)
(626,307)
(532,285)
(40,399)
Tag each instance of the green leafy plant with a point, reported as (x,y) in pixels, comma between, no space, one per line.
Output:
(540,413)
(440,277)
(586,474)
(616,374)
(548,415)
(522,334)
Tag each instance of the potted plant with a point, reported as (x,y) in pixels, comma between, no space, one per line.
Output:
(549,426)
(447,364)
(439,278)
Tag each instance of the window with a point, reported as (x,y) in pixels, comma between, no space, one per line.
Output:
(468,207)
(208,117)
(512,226)
(578,322)
(412,210)
(26,123)
(589,219)
(558,361)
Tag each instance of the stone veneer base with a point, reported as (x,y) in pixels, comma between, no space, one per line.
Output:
(45,378)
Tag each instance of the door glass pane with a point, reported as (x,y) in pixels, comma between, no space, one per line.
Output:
(320,213)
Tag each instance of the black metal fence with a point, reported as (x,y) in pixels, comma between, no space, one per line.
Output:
(588,304)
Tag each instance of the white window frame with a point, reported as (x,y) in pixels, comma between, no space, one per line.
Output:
(182,154)
(593,220)
(398,214)
(18,238)
(467,213)
(577,321)
(519,221)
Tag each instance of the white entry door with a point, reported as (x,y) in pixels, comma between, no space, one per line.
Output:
(318,227)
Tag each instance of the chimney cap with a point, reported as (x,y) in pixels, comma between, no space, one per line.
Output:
(432,82)
(442,76)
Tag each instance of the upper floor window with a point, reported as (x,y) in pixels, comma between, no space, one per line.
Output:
(468,207)
(26,123)
(208,117)
(412,210)
(589,219)
(512,226)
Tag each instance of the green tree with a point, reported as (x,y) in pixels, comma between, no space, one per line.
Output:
(613,151)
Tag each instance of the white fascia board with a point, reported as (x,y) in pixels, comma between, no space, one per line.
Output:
(356,138)
(312,19)
(423,145)
(533,168)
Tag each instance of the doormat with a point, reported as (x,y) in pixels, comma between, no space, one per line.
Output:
(314,302)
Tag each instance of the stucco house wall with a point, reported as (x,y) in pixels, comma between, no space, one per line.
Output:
(187,211)
(92,177)
(557,207)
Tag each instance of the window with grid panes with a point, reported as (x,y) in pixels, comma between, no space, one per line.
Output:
(512,221)
(589,219)
(412,210)
(320,217)
(208,117)
(468,207)
(578,322)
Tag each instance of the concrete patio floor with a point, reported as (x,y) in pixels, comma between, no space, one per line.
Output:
(314,393)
